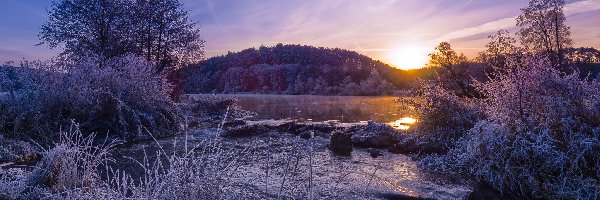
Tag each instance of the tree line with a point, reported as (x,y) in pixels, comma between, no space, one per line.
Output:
(294,69)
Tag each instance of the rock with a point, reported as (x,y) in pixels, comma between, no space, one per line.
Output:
(292,127)
(193,124)
(244,131)
(414,147)
(340,143)
(374,153)
(307,134)
(322,128)
(375,135)
(17,151)
(484,191)
(234,123)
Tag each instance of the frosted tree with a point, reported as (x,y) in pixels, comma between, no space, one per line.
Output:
(158,30)
(88,26)
(500,47)
(544,29)
(164,33)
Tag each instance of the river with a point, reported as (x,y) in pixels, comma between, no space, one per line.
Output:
(326,109)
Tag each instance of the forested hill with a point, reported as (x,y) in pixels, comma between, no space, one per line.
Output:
(294,69)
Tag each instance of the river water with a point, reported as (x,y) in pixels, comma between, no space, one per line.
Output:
(329,109)
(358,176)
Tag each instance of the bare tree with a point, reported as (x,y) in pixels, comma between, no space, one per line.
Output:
(499,49)
(544,30)
(87,26)
(158,30)
(164,33)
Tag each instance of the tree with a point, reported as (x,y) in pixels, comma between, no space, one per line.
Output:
(544,30)
(451,69)
(82,27)
(164,33)
(499,49)
(158,30)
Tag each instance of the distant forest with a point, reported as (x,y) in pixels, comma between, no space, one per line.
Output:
(295,69)
(302,69)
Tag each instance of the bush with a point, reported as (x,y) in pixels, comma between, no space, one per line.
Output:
(71,170)
(123,96)
(72,163)
(15,150)
(446,118)
(541,138)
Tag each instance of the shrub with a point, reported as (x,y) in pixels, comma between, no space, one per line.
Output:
(122,96)
(445,119)
(15,150)
(72,163)
(71,170)
(541,138)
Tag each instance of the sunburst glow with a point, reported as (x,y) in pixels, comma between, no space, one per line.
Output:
(403,123)
(409,57)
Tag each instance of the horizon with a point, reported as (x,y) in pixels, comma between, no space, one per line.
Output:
(405,32)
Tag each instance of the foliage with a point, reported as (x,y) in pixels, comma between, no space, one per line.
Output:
(294,69)
(123,98)
(543,29)
(498,50)
(72,163)
(452,70)
(541,136)
(158,30)
(447,118)
(77,169)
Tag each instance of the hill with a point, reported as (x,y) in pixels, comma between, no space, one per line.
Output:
(294,69)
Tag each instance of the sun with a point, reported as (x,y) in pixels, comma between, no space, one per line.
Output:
(408,57)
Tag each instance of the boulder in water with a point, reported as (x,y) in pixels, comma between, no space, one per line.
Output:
(244,131)
(340,142)
(375,135)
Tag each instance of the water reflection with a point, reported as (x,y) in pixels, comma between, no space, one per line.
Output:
(329,109)
(403,123)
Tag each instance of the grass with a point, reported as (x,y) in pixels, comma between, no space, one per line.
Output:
(75,168)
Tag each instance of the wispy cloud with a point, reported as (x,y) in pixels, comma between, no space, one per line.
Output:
(372,27)
(509,22)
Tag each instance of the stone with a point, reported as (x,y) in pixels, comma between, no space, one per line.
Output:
(375,135)
(340,143)
(244,131)
(374,153)
(307,135)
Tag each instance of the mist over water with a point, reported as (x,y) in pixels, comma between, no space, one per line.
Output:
(329,109)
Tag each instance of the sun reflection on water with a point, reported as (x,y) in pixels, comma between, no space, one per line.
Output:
(403,123)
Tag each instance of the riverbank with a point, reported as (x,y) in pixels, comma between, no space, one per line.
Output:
(233,157)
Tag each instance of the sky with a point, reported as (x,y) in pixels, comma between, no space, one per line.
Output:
(399,32)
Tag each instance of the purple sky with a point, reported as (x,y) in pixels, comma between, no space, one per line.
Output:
(377,28)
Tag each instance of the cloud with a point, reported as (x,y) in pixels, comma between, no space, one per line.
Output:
(509,22)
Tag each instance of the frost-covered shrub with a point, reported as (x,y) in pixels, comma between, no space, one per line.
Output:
(445,118)
(15,150)
(122,96)
(541,136)
(72,163)
(209,105)
(203,172)
(72,170)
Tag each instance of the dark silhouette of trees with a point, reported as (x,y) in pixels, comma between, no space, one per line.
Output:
(498,50)
(294,69)
(544,29)
(452,70)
